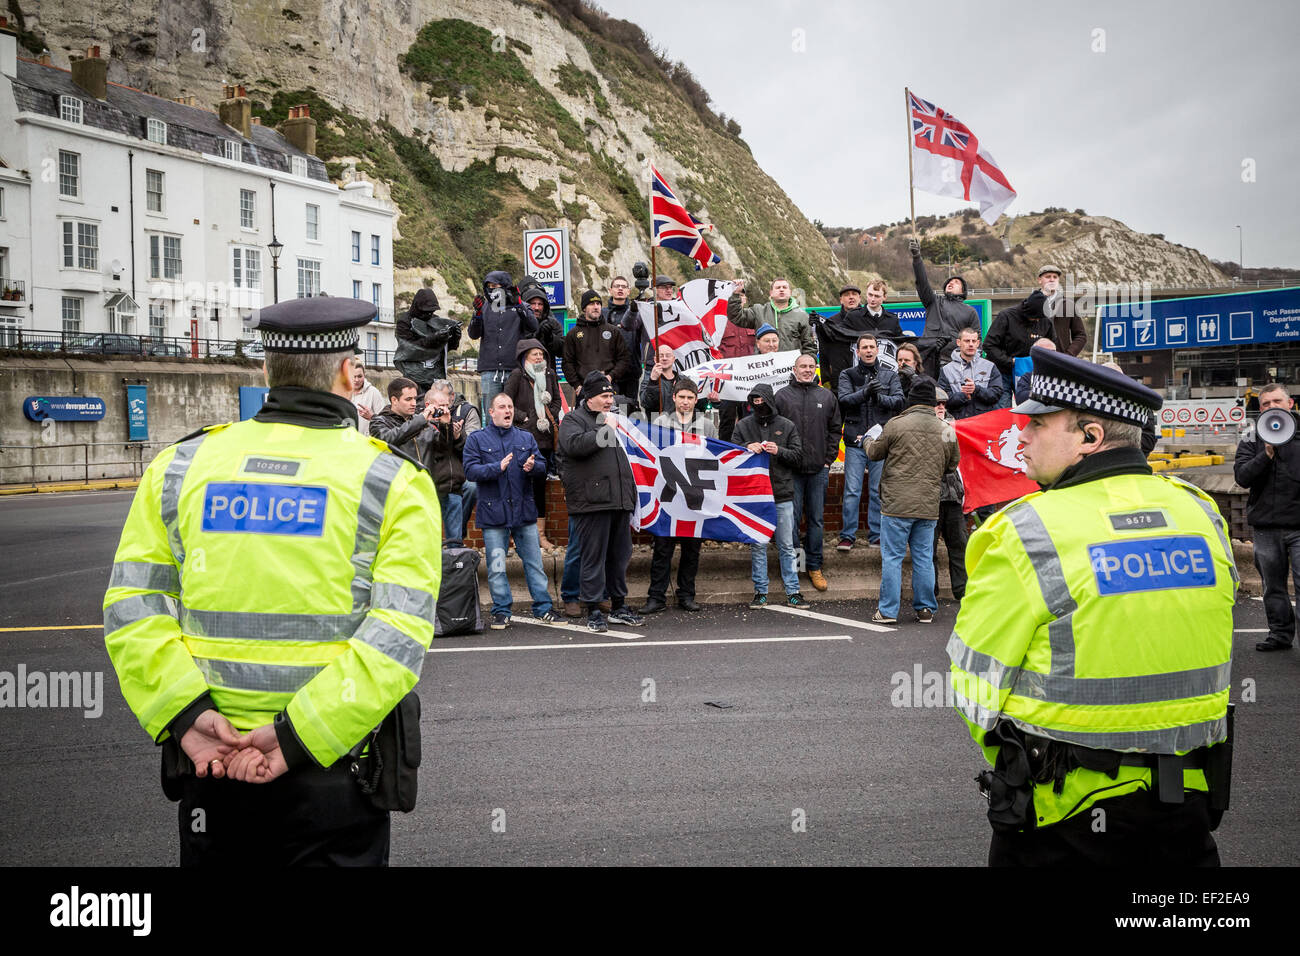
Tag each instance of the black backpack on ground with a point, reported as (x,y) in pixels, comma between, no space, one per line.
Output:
(458,608)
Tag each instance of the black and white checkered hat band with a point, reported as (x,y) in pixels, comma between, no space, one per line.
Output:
(337,341)
(1059,391)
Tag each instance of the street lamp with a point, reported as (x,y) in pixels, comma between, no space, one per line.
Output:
(1241,262)
(276,247)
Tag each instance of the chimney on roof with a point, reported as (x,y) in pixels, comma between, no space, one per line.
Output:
(8,49)
(236,110)
(44,58)
(300,129)
(91,73)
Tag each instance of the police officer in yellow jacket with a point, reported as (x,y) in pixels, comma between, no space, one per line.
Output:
(271,602)
(1091,656)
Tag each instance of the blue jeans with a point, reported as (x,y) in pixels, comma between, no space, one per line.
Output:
(856,463)
(784,549)
(1008,391)
(468,496)
(496,541)
(1275,549)
(810,502)
(896,534)
(491,384)
(451,517)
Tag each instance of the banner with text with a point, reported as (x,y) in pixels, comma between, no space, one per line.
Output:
(734,378)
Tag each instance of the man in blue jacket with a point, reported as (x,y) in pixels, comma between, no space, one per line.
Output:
(503,460)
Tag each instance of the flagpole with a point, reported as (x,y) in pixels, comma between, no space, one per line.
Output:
(654,278)
(911,189)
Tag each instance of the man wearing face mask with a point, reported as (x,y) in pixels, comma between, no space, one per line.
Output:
(550,333)
(500,321)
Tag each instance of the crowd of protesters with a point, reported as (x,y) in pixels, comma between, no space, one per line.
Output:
(889,396)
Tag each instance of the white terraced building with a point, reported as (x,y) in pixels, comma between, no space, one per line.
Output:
(125,212)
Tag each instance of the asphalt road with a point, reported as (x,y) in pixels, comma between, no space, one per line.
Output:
(764,738)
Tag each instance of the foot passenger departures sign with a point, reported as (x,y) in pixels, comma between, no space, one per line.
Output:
(546,258)
(1239,318)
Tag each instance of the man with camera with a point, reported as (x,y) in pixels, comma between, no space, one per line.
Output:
(1272,475)
(441,446)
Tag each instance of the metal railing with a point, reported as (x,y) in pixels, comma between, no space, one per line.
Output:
(909,295)
(75,461)
(117,344)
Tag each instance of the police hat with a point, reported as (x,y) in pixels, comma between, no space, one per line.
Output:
(312,325)
(1060,381)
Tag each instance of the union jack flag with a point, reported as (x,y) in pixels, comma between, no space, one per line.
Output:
(674,227)
(690,486)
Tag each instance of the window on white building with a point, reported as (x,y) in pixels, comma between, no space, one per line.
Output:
(70,109)
(356,288)
(156,131)
(8,331)
(313,221)
(158,320)
(71,314)
(246,268)
(308,277)
(232,150)
(298,166)
(247,209)
(80,245)
(69,173)
(356,248)
(376,290)
(164,257)
(374,250)
(153,190)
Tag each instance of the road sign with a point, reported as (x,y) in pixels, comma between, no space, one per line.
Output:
(546,258)
(1202,413)
(1239,318)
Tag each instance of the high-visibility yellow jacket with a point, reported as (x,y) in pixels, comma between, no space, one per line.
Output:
(1099,614)
(276,567)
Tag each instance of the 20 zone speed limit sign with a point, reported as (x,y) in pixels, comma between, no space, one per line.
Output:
(546,257)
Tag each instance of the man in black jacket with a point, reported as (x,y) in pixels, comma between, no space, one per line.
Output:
(601,494)
(398,425)
(1272,475)
(622,311)
(500,321)
(765,431)
(945,316)
(594,345)
(423,340)
(816,414)
(441,445)
(1013,333)
(550,333)
(869,395)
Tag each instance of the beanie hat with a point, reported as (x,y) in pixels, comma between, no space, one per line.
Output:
(763,330)
(595,384)
(589,297)
(922,392)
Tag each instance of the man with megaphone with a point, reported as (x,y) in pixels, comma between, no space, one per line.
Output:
(1268,465)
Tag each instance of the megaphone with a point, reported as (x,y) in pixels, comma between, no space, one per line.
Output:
(1276,426)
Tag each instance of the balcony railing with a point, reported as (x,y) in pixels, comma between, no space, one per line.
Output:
(146,347)
(12,291)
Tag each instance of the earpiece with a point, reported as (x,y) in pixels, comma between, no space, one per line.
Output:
(1089,438)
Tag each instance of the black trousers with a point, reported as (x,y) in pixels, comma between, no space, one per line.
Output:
(308,817)
(606,538)
(1136,830)
(539,496)
(728,413)
(661,567)
(952,528)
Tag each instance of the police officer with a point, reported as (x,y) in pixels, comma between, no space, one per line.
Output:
(1091,654)
(271,601)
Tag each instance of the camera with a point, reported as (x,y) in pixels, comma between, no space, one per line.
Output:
(641,275)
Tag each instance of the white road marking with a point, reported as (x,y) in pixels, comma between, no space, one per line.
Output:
(1250,630)
(831,619)
(583,646)
(579,628)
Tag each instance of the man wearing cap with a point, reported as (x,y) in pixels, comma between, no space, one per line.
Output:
(1271,473)
(917,449)
(1014,331)
(1067,327)
(594,345)
(601,494)
(685,417)
(270,604)
(782,313)
(1091,655)
(837,334)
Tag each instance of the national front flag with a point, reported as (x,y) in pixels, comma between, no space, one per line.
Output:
(948,160)
(992,468)
(674,227)
(689,486)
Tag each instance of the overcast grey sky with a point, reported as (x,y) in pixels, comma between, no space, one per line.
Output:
(1153,131)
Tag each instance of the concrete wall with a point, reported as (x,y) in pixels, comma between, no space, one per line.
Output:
(183,397)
